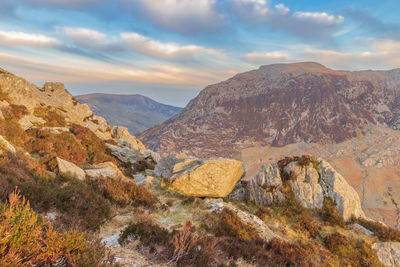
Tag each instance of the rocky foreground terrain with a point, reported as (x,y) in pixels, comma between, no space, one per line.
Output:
(136,112)
(76,192)
(350,118)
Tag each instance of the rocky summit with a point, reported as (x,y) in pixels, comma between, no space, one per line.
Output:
(278,105)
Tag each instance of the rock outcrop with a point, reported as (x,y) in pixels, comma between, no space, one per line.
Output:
(336,187)
(264,188)
(122,134)
(69,168)
(310,184)
(205,178)
(388,253)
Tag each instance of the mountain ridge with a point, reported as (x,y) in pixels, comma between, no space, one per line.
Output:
(136,112)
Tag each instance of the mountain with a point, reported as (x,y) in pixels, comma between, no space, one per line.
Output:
(351,118)
(136,112)
(278,105)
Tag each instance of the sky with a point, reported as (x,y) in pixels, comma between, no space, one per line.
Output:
(169,50)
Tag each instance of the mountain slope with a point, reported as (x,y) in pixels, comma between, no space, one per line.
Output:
(278,105)
(136,112)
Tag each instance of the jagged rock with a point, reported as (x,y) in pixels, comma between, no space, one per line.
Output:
(388,253)
(69,168)
(126,154)
(264,188)
(206,178)
(363,229)
(165,166)
(102,172)
(262,229)
(30,120)
(302,173)
(122,134)
(336,187)
(4,144)
(238,193)
(309,195)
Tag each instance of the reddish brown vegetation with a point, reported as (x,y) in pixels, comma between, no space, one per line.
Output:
(52,117)
(383,232)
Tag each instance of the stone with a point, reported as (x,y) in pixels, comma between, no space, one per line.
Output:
(122,134)
(302,173)
(126,154)
(363,229)
(69,168)
(336,187)
(4,144)
(388,253)
(309,195)
(165,167)
(264,187)
(27,121)
(208,178)
(103,172)
(239,192)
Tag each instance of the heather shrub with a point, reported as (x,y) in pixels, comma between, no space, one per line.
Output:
(263,213)
(95,147)
(63,145)
(383,232)
(80,206)
(52,117)
(330,214)
(125,192)
(350,251)
(228,224)
(147,232)
(10,129)
(26,239)
(15,112)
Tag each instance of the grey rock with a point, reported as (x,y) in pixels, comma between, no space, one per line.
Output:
(103,172)
(363,229)
(336,187)
(388,253)
(69,168)
(309,195)
(165,167)
(126,154)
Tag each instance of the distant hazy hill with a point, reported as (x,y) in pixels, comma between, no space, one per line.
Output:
(136,112)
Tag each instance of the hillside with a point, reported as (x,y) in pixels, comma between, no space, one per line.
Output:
(278,105)
(136,112)
(76,192)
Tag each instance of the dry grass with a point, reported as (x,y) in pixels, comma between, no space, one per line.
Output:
(52,117)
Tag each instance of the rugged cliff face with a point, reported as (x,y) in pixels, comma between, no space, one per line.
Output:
(278,105)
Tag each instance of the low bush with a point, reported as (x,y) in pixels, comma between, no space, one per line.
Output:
(124,193)
(63,145)
(26,239)
(80,206)
(10,129)
(350,251)
(263,213)
(276,252)
(95,147)
(383,232)
(52,117)
(330,214)
(228,224)
(147,232)
(15,112)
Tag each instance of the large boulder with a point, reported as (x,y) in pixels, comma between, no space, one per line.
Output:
(126,154)
(206,178)
(69,168)
(105,170)
(301,173)
(165,166)
(388,253)
(264,188)
(336,187)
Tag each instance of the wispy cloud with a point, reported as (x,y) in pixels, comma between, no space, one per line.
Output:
(13,38)
(183,16)
(166,50)
(310,25)
(262,58)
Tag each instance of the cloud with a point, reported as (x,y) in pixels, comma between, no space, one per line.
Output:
(382,53)
(13,38)
(309,25)
(168,50)
(183,16)
(262,58)
(375,25)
